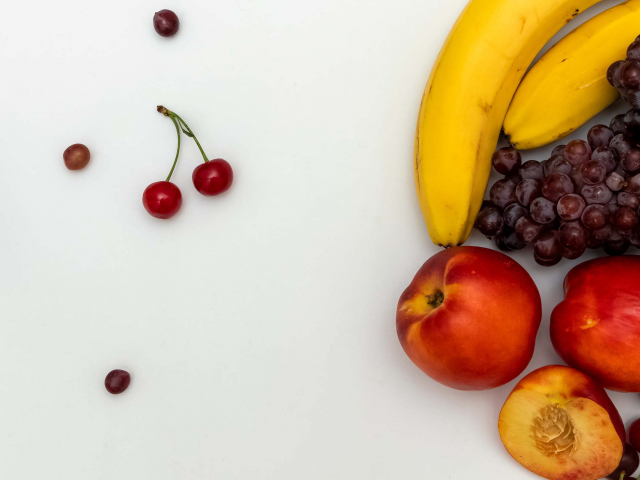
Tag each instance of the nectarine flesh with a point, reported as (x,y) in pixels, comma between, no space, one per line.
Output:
(561,425)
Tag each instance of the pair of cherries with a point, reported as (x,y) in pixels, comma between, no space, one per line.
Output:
(213,177)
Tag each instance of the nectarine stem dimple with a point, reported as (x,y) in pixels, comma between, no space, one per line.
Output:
(435,299)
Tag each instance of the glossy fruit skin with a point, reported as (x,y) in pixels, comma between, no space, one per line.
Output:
(634,434)
(596,328)
(162,199)
(483,333)
(166,23)
(76,157)
(213,177)
(117,381)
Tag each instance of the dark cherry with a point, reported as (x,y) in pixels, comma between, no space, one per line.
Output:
(213,177)
(162,199)
(166,23)
(76,157)
(630,459)
(117,381)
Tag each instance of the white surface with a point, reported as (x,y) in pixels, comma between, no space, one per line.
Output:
(259,327)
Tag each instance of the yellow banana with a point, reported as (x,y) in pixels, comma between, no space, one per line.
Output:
(568,85)
(465,101)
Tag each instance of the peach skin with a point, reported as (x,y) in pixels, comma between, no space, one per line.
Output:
(469,318)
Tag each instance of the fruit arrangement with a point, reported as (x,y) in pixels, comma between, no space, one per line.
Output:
(469,317)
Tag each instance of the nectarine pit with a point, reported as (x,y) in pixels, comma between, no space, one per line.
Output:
(554,432)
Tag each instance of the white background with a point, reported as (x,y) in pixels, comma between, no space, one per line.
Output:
(259,327)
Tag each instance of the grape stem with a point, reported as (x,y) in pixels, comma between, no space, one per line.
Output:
(178,120)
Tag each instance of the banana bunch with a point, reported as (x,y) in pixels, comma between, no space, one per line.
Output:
(568,85)
(465,102)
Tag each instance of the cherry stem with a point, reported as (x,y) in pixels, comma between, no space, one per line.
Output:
(178,152)
(623,475)
(174,116)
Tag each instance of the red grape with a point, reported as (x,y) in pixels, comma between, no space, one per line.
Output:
(595,217)
(528,190)
(619,247)
(76,157)
(607,156)
(572,236)
(626,199)
(624,218)
(599,194)
(532,170)
(117,381)
(546,263)
(512,242)
(613,73)
(527,229)
(577,152)
(490,221)
(621,144)
(558,164)
(603,234)
(166,23)
(615,181)
(599,136)
(546,245)
(633,184)
(593,172)
(630,75)
(506,159)
(632,121)
(556,185)
(542,210)
(570,207)
(633,53)
(572,254)
(593,242)
(503,193)
(559,150)
(576,178)
(630,161)
(513,213)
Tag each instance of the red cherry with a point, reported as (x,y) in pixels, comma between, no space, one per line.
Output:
(213,177)
(162,199)
(117,381)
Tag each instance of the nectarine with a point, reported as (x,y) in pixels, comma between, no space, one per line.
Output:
(596,329)
(561,425)
(469,318)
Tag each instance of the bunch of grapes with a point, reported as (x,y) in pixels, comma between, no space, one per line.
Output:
(587,195)
(625,75)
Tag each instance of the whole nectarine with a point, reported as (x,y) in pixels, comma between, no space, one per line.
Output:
(560,424)
(469,318)
(596,329)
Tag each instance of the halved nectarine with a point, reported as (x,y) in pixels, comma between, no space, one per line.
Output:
(561,425)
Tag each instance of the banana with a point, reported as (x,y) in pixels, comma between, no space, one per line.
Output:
(568,85)
(465,102)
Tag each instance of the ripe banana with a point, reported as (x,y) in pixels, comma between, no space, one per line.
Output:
(465,101)
(568,85)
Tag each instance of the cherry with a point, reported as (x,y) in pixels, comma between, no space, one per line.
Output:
(117,381)
(213,177)
(162,199)
(634,434)
(166,23)
(76,156)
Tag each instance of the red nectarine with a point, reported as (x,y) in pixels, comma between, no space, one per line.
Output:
(596,329)
(469,318)
(560,424)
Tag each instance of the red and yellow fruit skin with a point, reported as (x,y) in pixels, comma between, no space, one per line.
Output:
(562,383)
(596,328)
(483,334)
